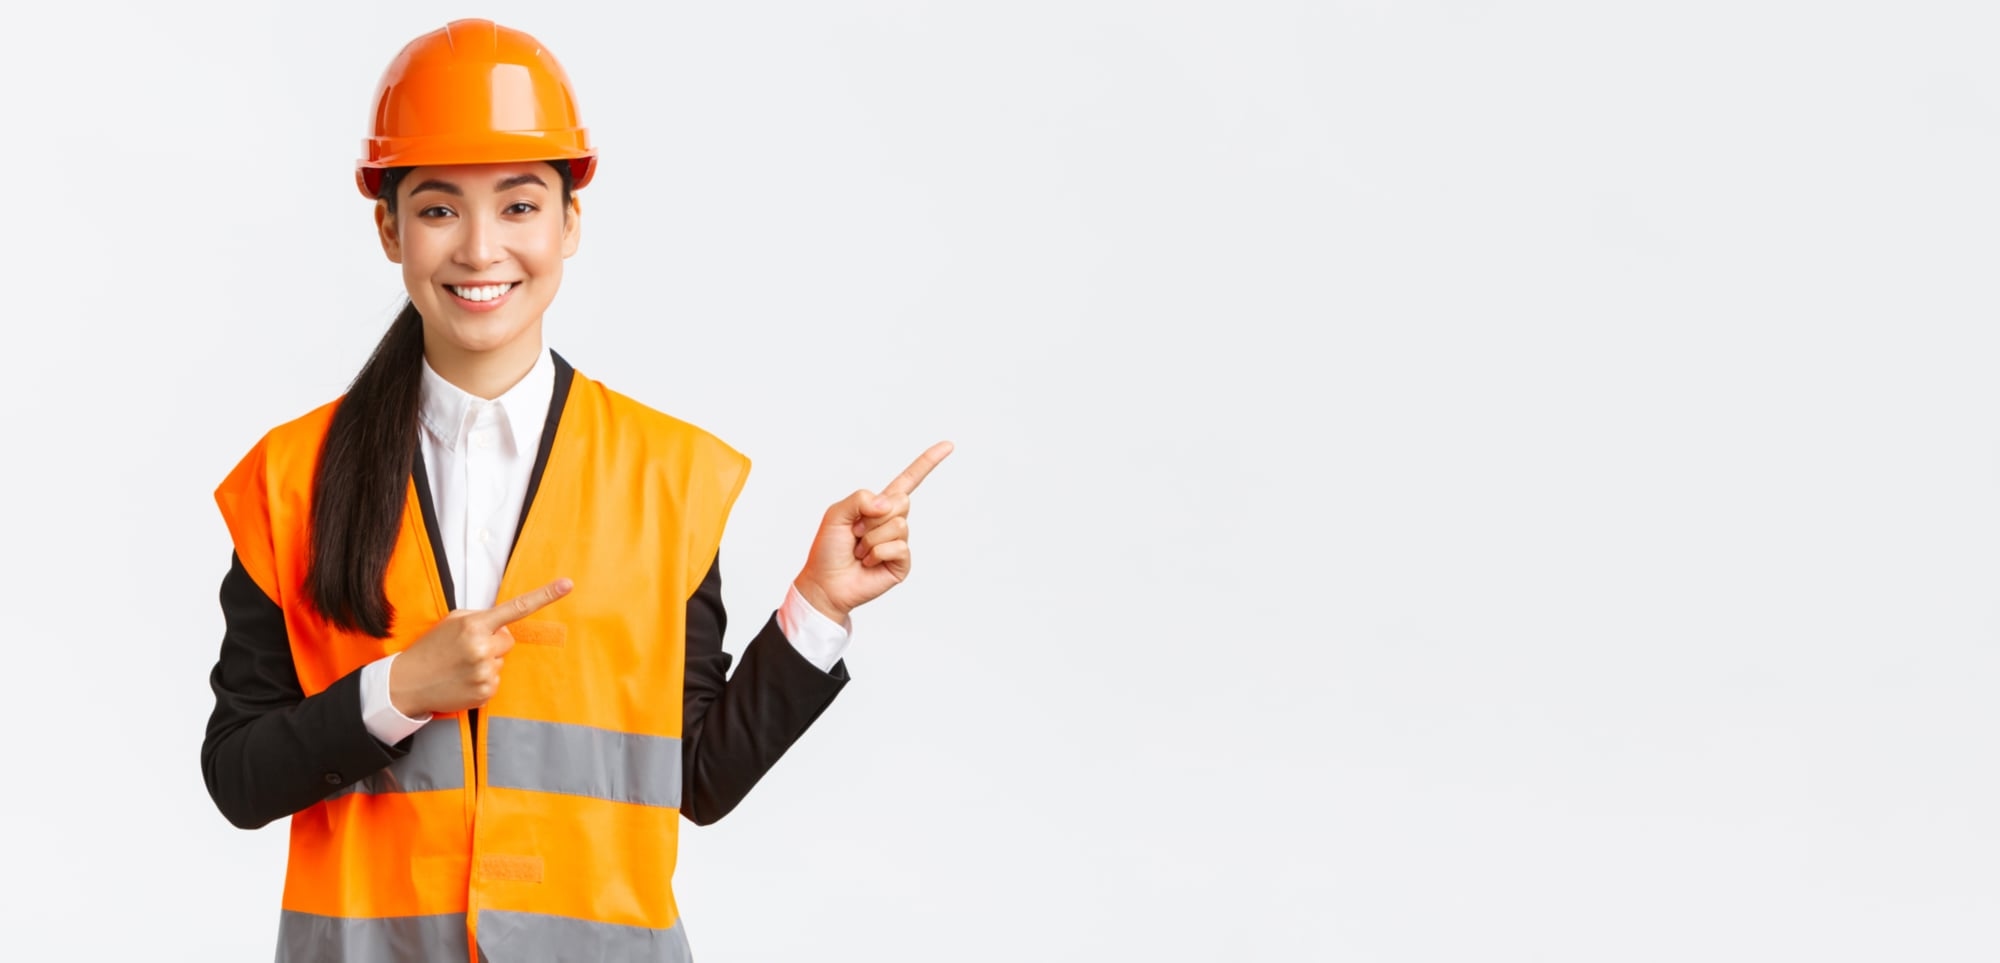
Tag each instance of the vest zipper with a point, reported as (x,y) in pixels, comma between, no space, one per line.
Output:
(472,719)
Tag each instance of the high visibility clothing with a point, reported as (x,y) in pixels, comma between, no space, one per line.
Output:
(548,828)
(474,92)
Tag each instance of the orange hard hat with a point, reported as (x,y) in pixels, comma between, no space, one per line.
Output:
(473,92)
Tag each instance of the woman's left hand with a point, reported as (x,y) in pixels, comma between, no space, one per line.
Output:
(863,548)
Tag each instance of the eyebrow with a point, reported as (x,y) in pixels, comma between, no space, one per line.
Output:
(447,187)
(520,180)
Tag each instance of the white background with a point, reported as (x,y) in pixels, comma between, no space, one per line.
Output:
(1436,481)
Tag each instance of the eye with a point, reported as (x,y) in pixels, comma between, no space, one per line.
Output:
(435,211)
(521,207)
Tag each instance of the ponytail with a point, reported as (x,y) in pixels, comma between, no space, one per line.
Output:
(363,479)
(363,476)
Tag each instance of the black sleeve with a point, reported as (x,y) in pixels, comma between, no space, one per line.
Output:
(270,750)
(734,730)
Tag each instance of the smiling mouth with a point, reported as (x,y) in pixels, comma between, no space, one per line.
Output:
(480,292)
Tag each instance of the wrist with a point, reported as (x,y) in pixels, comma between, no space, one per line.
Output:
(401,697)
(818,599)
(384,719)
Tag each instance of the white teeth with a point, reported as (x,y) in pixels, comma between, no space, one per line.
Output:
(483,292)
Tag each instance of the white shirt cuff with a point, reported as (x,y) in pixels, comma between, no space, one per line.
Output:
(378,713)
(820,639)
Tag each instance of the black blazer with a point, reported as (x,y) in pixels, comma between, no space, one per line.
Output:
(271,750)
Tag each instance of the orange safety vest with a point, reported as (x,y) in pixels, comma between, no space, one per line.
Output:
(549,827)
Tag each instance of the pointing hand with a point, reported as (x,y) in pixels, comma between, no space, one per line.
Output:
(456,665)
(862,548)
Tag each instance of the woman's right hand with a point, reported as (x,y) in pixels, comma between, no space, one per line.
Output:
(456,665)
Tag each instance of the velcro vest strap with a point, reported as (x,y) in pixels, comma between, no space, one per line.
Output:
(538,632)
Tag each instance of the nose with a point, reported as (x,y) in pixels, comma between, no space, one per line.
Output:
(478,243)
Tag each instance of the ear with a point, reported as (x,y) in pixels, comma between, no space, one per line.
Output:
(572,226)
(385,225)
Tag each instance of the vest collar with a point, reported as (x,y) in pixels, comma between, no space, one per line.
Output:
(560,375)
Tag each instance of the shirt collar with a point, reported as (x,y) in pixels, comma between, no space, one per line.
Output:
(446,410)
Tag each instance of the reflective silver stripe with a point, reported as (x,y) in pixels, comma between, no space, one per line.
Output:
(434,762)
(309,938)
(506,937)
(583,761)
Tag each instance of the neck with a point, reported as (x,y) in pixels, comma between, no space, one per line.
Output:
(485,374)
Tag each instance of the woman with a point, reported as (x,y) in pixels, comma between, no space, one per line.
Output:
(464,595)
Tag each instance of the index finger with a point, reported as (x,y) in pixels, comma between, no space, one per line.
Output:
(913,476)
(523,605)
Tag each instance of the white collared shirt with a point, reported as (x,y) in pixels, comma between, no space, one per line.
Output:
(478,455)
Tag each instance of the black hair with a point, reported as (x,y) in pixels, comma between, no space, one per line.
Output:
(363,475)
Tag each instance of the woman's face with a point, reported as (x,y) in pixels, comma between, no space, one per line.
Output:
(482,249)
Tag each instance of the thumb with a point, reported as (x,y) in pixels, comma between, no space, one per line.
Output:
(503,642)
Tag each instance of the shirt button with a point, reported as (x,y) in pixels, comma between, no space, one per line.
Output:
(332,778)
(483,533)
